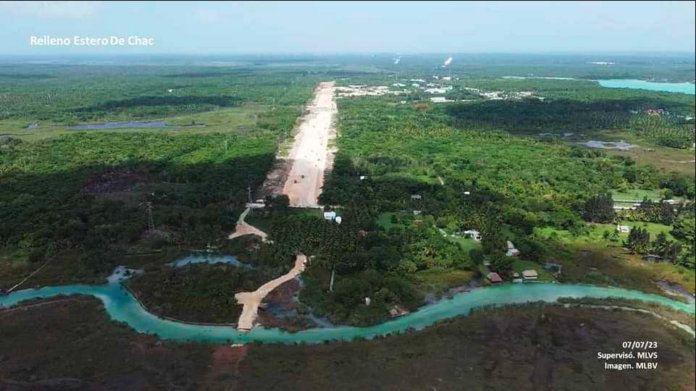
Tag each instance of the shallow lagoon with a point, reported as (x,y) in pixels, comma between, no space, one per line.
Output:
(684,88)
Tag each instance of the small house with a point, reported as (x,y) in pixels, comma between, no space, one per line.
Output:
(494,278)
(397,311)
(511,250)
(530,274)
(474,234)
(415,197)
(651,257)
(624,229)
(331,216)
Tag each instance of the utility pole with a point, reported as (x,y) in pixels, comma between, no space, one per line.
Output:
(150,220)
(249,194)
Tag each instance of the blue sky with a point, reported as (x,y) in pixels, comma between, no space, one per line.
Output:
(342,27)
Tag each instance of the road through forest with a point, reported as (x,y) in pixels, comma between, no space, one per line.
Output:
(311,154)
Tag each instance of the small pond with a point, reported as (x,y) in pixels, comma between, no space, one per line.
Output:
(210,259)
(620,145)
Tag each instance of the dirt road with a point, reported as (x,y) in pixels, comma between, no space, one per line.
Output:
(243,228)
(311,154)
(251,300)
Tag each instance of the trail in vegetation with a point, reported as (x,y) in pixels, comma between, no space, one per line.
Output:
(28,277)
(252,300)
(680,161)
(243,228)
(311,155)
(679,325)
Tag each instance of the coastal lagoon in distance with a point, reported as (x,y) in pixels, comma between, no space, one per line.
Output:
(684,88)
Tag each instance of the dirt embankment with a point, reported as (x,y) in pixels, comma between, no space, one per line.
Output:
(301,174)
(252,300)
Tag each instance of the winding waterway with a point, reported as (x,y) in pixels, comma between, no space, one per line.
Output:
(123,307)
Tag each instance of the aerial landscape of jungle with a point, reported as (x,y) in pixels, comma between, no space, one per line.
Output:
(141,180)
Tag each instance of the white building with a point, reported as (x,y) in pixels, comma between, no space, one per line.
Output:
(530,274)
(624,229)
(440,99)
(511,250)
(474,234)
(331,216)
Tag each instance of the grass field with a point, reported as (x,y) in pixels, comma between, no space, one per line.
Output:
(236,119)
(636,195)
(648,152)
(596,232)
(467,244)
(440,280)
(384,220)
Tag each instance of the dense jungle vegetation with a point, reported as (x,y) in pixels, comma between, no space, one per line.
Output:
(409,177)
(76,94)
(87,192)
(503,185)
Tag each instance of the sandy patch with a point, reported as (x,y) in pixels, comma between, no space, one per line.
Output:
(251,300)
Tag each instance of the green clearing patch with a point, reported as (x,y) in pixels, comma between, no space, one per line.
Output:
(440,280)
(595,233)
(229,120)
(386,220)
(636,195)
(467,244)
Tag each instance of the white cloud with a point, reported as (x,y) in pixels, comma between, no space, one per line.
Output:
(50,9)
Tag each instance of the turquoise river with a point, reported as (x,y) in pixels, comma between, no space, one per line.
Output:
(123,307)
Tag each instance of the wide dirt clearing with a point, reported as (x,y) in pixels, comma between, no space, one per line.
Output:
(311,155)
